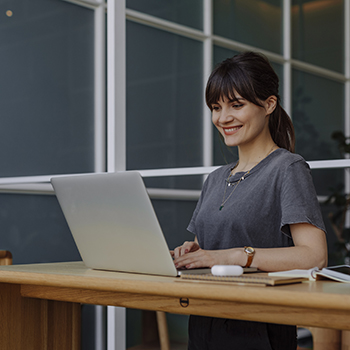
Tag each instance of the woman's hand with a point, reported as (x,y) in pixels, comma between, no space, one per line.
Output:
(187,247)
(198,258)
(191,256)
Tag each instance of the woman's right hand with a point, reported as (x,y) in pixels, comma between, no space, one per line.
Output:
(186,247)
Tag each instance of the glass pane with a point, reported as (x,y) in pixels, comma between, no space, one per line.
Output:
(47,88)
(254,22)
(34,229)
(174,217)
(337,252)
(192,182)
(330,182)
(318,111)
(164,99)
(188,13)
(221,53)
(318,32)
(326,181)
(221,153)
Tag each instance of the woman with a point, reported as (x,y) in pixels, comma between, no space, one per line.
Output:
(261,211)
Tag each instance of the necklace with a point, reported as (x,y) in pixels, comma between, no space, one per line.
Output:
(229,184)
(224,200)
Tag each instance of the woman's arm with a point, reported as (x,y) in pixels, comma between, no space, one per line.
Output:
(309,250)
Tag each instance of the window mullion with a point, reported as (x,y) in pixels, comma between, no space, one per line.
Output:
(116,86)
(347,91)
(207,68)
(287,68)
(100,89)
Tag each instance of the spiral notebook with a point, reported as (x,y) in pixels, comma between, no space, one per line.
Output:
(261,279)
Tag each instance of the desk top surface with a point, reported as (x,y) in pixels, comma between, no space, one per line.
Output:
(320,294)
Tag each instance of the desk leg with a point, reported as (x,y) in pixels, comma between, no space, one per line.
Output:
(345,340)
(35,324)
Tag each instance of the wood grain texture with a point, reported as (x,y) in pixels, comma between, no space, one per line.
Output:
(338,319)
(163,330)
(345,340)
(34,324)
(320,304)
(319,295)
(325,339)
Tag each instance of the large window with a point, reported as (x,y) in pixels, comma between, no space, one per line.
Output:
(318,33)
(53,90)
(118,85)
(255,22)
(164,99)
(47,88)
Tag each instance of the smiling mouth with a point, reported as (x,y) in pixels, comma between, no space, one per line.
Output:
(232,129)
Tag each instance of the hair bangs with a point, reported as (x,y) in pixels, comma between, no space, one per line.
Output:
(225,81)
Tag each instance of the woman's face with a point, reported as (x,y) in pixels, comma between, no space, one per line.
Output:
(240,121)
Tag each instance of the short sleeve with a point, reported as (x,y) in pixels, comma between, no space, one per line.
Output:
(192,225)
(299,203)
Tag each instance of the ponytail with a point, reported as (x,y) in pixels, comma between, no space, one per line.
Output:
(282,129)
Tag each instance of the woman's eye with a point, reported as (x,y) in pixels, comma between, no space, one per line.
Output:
(237,105)
(215,108)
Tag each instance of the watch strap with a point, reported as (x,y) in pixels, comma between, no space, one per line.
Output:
(250,255)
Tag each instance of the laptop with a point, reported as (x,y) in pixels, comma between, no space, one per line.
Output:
(113,223)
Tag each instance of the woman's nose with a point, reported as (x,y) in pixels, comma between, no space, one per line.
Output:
(226,116)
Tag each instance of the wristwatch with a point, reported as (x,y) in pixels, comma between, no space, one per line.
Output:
(250,255)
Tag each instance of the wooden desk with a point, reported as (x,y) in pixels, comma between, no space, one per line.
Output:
(40,303)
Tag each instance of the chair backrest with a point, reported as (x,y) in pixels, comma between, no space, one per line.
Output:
(5,257)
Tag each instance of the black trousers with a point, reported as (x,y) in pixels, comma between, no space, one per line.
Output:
(208,333)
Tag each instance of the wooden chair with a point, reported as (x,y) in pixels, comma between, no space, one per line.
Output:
(163,330)
(155,334)
(5,257)
(330,339)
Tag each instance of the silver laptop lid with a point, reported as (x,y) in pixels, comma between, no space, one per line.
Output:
(113,222)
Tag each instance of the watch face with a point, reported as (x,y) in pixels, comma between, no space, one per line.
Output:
(249,250)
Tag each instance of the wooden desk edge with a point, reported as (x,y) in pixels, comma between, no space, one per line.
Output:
(337,319)
(302,296)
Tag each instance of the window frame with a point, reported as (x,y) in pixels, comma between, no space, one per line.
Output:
(110,130)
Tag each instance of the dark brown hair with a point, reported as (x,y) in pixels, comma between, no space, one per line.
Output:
(251,76)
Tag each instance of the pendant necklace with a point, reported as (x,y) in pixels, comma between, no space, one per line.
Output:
(228,184)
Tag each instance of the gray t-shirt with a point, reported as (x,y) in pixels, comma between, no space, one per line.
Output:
(276,193)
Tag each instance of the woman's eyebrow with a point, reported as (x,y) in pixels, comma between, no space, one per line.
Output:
(236,99)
